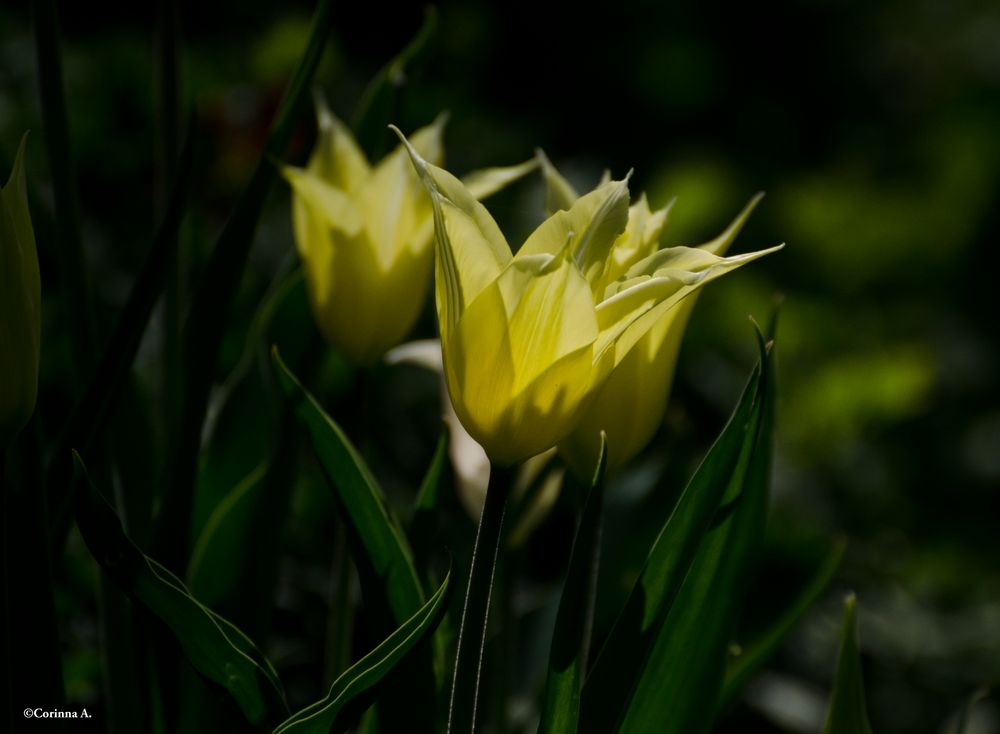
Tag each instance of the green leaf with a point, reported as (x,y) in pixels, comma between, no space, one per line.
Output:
(217,649)
(609,686)
(682,675)
(847,713)
(574,620)
(360,500)
(756,654)
(347,694)
(222,543)
(376,107)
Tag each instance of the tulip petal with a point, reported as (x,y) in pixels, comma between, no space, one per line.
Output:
(640,239)
(592,224)
(553,314)
(653,287)
(324,200)
(720,244)
(472,250)
(559,193)
(518,363)
(337,158)
(487,181)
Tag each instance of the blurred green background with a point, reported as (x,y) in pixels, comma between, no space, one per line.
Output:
(874,128)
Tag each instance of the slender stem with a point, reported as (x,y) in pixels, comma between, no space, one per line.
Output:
(56,132)
(475,614)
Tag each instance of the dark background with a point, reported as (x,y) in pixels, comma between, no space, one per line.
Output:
(873,128)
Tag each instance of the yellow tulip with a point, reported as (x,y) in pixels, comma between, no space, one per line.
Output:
(20,306)
(526,341)
(629,406)
(364,235)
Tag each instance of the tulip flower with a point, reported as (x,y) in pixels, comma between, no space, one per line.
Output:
(20,306)
(526,339)
(364,235)
(629,406)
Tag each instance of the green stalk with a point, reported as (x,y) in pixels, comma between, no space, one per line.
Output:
(210,305)
(67,212)
(475,613)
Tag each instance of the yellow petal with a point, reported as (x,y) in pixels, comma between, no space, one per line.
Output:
(653,287)
(488,181)
(472,251)
(720,244)
(592,225)
(518,364)
(559,193)
(337,158)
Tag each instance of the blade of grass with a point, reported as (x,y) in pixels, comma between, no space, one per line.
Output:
(847,713)
(205,324)
(78,305)
(756,654)
(353,691)
(216,648)
(574,620)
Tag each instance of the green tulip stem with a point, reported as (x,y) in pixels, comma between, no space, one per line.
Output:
(475,613)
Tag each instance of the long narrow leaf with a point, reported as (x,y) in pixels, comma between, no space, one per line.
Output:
(574,620)
(216,648)
(847,713)
(756,654)
(79,308)
(683,671)
(206,321)
(360,499)
(107,381)
(353,689)
(608,686)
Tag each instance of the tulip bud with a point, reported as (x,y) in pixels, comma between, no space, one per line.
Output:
(364,235)
(527,339)
(20,305)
